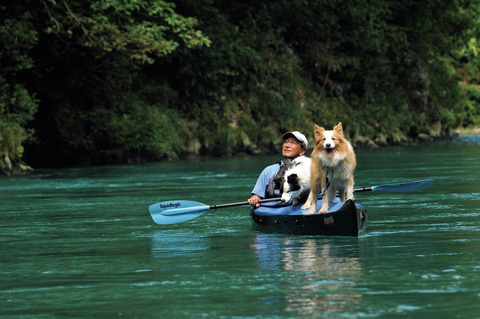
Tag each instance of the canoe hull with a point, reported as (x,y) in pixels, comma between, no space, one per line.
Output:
(345,219)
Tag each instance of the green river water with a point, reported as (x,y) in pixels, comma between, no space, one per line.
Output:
(80,243)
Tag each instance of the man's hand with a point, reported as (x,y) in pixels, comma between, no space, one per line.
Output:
(254,200)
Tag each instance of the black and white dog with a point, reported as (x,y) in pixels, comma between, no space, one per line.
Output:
(296,181)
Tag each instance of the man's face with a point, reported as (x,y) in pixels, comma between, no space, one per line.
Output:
(291,148)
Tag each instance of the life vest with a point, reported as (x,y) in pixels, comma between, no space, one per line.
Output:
(275,184)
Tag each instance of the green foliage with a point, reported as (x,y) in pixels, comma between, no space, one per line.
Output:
(17,108)
(468,113)
(17,37)
(465,60)
(87,59)
(140,30)
(466,54)
(110,135)
(129,80)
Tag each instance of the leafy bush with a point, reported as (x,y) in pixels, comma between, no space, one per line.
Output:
(17,108)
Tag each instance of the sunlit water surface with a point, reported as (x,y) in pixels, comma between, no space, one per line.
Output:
(81,243)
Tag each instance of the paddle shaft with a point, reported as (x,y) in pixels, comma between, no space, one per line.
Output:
(363,189)
(408,186)
(244,203)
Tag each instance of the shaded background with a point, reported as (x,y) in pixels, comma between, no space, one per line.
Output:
(99,82)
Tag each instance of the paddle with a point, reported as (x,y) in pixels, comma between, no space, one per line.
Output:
(177,211)
(400,187)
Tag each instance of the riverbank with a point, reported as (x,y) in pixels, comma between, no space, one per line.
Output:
(9,167)
(468,131)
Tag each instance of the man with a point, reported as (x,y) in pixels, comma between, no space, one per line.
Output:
(294,145)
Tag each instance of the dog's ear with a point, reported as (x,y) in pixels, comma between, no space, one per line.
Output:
(318,132)
(338,128)
(293,181)
(292,178)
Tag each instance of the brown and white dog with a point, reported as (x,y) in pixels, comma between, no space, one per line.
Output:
(333,163)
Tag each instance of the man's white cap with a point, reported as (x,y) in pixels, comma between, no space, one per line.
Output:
(299,136)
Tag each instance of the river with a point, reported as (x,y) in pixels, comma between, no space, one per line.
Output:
(80,243)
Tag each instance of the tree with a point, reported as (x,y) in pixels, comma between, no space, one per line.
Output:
(79,61)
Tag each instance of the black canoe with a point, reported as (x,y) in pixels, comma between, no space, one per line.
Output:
(343,219)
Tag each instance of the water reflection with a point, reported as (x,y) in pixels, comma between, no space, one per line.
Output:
(324,271)
(301,276)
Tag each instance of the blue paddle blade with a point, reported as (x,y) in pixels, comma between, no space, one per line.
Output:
(404,187)
(176,211)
